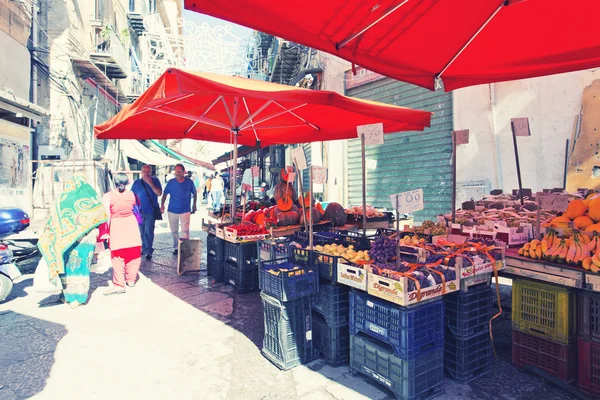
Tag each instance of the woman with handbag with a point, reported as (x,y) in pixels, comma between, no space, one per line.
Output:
(69,239)
(147,189)
(125,242)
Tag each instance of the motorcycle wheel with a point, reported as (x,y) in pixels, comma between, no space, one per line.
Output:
(6,286)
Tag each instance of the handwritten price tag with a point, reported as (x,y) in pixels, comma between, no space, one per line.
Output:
(553,201)
(299,158)
(520,126)
(408,202)
(319,175)
(373,133)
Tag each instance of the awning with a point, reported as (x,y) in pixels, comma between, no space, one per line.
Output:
(91,70)
(243,151)
(134,149)
(17,105)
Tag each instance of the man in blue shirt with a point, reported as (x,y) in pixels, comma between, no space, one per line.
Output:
(147,189)
(181,190)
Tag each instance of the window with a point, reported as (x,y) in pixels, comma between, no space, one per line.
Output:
(131,5)
(151,6)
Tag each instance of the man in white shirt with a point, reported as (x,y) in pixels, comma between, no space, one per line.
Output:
(216,191)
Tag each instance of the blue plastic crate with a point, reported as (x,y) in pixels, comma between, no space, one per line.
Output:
(215,247)
(288,332)
(466,359)
(243,255)
(333,303)
(332,342)
(215,268)
(468,314)
(302,256)
(290,281)
(411,331)
(421,378)
(328,265)
(273,249)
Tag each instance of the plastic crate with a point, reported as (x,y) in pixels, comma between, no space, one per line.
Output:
(215,268)
(411,331)
(468,314)
(559,360)
(303,257)
(292,281)
(243,279)
(547,311)
(421,378)
(273,249)
(288,332)
(466,359)
(215,247)
(588,316)
(327,266)
(332,342)
(242,254)
(588,378)
(333,303)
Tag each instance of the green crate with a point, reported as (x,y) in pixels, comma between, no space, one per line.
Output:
(544,310)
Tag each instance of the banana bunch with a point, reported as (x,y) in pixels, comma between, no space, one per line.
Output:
(558,251)
(532,249)
(578,250)
(551,238)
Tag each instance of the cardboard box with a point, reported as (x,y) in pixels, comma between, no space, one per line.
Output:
(352,275)
(396,291)
(232,236)
(514,236)
(482,265)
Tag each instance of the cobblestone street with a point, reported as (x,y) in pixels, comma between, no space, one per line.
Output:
(183,337)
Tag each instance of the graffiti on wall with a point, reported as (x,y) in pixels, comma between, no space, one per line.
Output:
(14,167)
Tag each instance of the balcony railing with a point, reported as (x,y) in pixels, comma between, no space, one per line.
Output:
(112,57)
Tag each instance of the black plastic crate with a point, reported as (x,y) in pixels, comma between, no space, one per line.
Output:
(303,257)
(287,281)
(411,331)
(273,249)
(243,279)
(332,342)
(466,359)
(333,303)
(418,379)
(215,247)
(242,254)
(288,332)
(328,265)
(215,268)
(588,316)
(468,313)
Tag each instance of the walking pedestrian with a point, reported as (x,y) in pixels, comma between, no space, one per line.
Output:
(69,238)
(208,188)
(180,190)
(147,189)
(216,191)
(125,241)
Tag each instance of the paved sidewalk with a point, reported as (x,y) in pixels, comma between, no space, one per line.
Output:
(183,338)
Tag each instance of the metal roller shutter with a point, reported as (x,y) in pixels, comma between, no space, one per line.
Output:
(407,160)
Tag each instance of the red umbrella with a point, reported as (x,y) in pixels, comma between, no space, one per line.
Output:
(463,42)
(236,110)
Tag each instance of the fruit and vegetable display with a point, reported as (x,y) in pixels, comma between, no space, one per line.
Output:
(349,252)
(248,229)
(431,228)
(297,270)
(371,211)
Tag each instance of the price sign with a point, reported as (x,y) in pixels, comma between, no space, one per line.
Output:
(461,137)
(553,201)
(291,177)
(408,202)
(299,158)
(319,175)
(255,171)
(373,133)
(520,126)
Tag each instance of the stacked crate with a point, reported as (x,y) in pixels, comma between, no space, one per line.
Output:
(399,347)
(287,291)
(215,257)
(544,328)
(331,315)
(467,343)
(241,266)
(588,329)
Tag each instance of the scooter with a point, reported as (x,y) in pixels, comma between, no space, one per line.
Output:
(12,251)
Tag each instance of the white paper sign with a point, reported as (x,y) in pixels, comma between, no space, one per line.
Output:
(373,133)
(319,175)
(299,158)
(255,171)
(291,176)
(408,202)
(553,201)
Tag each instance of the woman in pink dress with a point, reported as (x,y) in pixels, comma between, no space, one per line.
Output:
(125,242)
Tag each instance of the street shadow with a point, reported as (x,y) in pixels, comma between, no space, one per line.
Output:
(26,354)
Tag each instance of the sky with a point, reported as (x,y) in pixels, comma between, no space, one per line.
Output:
(216,149)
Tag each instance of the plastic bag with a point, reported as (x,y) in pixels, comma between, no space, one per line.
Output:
(42,282)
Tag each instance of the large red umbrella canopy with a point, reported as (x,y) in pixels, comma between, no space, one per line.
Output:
(463,42)
(211,107)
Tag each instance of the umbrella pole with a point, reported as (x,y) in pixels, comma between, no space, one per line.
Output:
(301,197)
(233,177)
(310,208)
(364,185)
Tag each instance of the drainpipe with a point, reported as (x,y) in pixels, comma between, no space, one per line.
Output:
(495,140)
